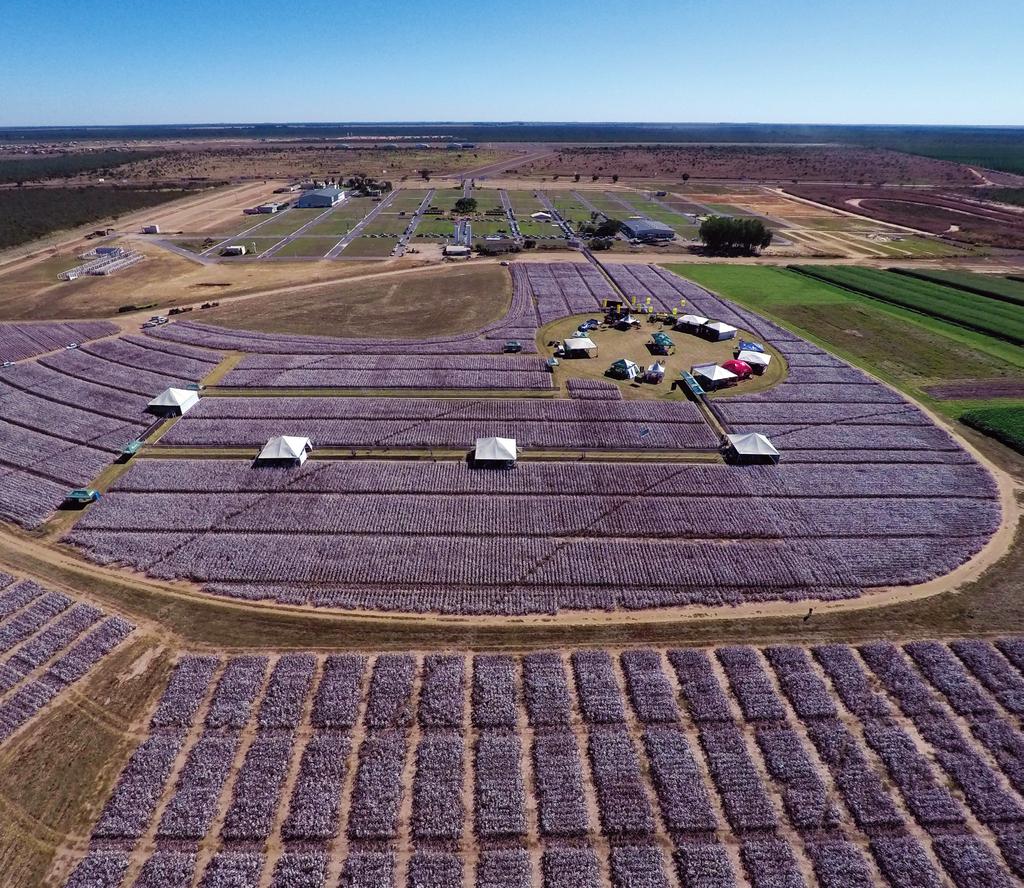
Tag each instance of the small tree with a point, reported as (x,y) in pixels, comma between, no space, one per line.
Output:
(576,177)
(425,174)
(594,177)
(615,177)
(600,243)
(465,205)
(686,177)
(608,228)
(732,236)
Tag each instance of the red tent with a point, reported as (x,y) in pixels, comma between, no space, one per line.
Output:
(740,368)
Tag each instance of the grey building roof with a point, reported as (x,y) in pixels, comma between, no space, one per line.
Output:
(641,227)
(320,196)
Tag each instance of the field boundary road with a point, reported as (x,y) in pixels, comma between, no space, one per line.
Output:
(414,223)
(509,163)
(510,213)
(288,238)
(357,229)
(234,237)
(549,205)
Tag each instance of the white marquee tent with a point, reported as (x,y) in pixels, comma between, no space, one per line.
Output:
(173,402)
(501,450)
(713,375)
(691,320)
(720,330)
(755,359)
(580,345)
(285,448)
(752,447)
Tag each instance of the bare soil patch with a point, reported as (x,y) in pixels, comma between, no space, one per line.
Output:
(248,159)
(54,776)
(32,291)
(812,163)
(926,210)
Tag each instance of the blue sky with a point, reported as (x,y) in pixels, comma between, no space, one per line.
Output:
(829,61)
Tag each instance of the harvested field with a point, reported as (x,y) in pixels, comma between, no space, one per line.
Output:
(754,162)
(32,292)
(411,306)
(977,389)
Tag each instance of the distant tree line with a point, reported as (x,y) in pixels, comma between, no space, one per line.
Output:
(734,235)
(30,213)
(64,166)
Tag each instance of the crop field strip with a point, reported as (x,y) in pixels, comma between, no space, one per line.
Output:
(991,285)
(840,431)
(543,424)
(549,536)
(19,341)
(865,440)
(48,642)
(993,317)
(64,416)
(390,371)
(832,766)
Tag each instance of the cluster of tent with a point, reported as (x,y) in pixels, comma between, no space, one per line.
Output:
(751,358)
(624,368)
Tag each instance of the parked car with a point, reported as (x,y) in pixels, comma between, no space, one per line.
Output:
(71,345)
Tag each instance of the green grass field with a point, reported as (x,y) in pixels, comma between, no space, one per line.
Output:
(436,227)
(408,199)
(487,199)
(344,218)
(371,247)
(524,203)
(570,208)
(992,285)
(444,198)
(485,227)
(307,247)
(992,317)
(905,348)
(387,223)
(545,230)
(285,223)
